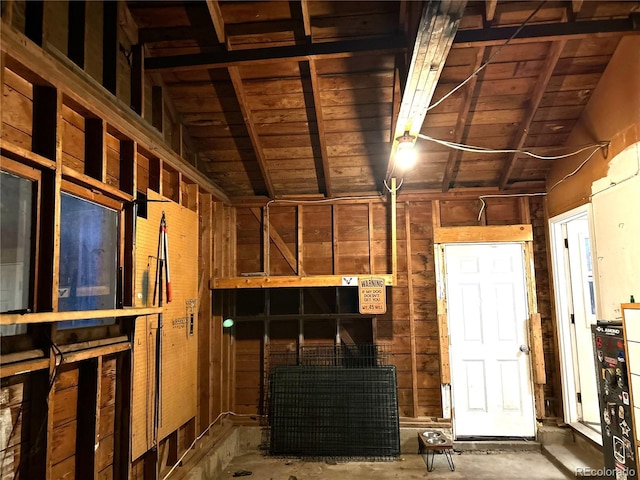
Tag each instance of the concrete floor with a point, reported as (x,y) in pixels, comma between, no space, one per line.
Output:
(469,466)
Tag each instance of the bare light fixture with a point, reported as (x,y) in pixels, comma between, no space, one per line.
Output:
(405,151)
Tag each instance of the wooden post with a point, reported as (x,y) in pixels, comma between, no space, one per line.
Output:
(394,234)
(412,319)
(300,268)
(371,245)
(334,225)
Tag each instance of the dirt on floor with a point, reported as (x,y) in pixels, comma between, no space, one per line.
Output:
(468,466)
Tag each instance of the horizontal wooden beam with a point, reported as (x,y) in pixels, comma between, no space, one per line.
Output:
(23,367)
(46,317)
(282,281)
(390,44)
(490,233)
(18,153)
(545,31)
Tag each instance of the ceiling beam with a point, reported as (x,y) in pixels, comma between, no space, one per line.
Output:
(534,102)
(438,26)
(455,155)
(216,17)
(171,34)
(546,32)
(346,48)
(315,87)
(251,128)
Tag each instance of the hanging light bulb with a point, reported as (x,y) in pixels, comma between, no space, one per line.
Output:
(405,151)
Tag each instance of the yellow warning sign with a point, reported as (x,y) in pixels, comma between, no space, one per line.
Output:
(372,295)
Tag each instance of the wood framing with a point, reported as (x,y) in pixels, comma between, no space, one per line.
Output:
(480,234)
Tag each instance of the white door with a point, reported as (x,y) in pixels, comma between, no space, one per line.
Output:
(583,308)
(488,318)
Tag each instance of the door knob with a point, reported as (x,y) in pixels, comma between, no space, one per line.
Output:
(525,349)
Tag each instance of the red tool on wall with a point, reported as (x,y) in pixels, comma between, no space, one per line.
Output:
(162,265)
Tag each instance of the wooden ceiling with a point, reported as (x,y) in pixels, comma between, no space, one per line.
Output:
(301,99)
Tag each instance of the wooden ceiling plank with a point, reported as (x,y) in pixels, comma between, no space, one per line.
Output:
(306,17)
(454,155)
(218,21)
(438,26)
(490,9)
(545,32)
(326,172)
(340,49)
(251,128)
(536,98)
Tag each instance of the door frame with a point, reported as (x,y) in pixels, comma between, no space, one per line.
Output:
(562,297)
(493,234)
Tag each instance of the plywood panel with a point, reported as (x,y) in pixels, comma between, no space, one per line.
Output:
(179,347)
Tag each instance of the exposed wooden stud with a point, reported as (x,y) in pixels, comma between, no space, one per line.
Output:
(443,327)
(412,316)
(490,233)
(48,433)
(266,239)
(234,73)
(534,102)
(218,21)
(490,9)
(323,50)
(371,244)
(317,108)
(525,210)
(435,214)
(394,234)
(334,238)
(300,236)
(306,17)
(280,244)
(461,123)
(96,420)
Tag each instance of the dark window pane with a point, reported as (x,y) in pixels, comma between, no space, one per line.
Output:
(16,198)
(88,259)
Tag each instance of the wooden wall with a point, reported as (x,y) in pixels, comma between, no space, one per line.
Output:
(336,240)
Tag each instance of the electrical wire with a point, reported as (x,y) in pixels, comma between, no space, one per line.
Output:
(225,414)
(484,65)
(477,149)
(482,197)
(575,171)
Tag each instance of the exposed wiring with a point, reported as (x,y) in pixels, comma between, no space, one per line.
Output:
(584,162)
(577,169)
(204,432)
(477,149)
(484,65)
(482,197)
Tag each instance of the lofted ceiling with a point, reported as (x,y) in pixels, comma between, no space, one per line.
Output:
(303,99)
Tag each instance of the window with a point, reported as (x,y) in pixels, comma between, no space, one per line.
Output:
(88,259)
(16,223)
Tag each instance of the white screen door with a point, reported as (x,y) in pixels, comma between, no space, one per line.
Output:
(488,318)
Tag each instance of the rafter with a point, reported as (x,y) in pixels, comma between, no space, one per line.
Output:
(306,17)
(534,102)
(346,48)
(236,80)
(216,17)
(438,26)
(326,173)
(455,155)
(490,9)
